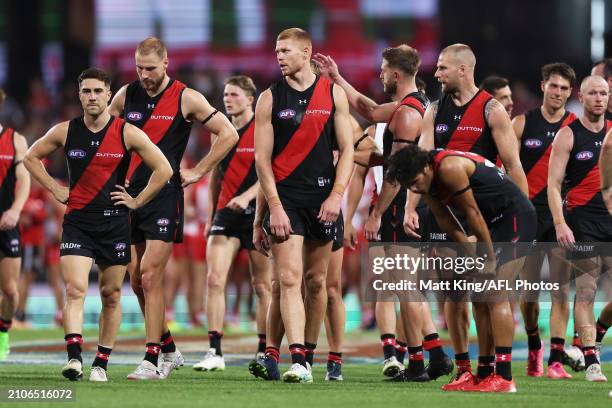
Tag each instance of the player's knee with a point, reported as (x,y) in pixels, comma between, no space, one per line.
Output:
(276,290)
(289,279)
(151,279)
(111,297)
(10,294)
(262,289)
(315,283)
(334,294)
(215,282)
(74,292)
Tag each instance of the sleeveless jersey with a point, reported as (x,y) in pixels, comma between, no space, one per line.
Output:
(536,145)
(418,102)
(8,178)
(304,136)
(582,171)
(96,163)
(161,118)
(464,128)
(493,190)
(237,169)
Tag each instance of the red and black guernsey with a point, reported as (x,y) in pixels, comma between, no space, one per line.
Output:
(7,169)
(96,163)
(582,171)
(161,118)
(464,128)
(536,145)
(418,102)
(304,137)
(493,190)
(237,169)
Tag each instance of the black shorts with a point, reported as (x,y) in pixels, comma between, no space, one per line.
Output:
(513,234)
(546,227)
(431,231)
(10,243)
(593,236)
(338,233)
(392,224)
(304,222)
(104,238)
(160,219)
(232,224)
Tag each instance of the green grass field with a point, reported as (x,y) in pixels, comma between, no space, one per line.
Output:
(363,386)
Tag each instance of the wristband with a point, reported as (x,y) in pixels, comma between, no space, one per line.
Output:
(274,201)
(338,189)
(559,222)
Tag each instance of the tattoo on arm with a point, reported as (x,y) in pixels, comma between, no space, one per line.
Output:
(434,108)
(492,104)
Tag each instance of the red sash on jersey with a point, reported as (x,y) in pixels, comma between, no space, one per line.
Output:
(238,167)
(437,159)
(307,134)
(169,105)
(473,124)
(412,102)
(97,173)
(537,177)
(7,153)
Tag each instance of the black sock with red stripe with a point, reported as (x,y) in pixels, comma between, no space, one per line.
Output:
(533,339)
(261,345)
(102,357)
(214,340)
(388,345)
(433,345)
(401,349)
(576,340)
(503,362)
(167,343)
(310,351)
(590,357)
(333,357)
(298,354)
(557,349)
(416,359)
(73,346)
(463,363)
(152,353)
(602,328)
(5,325)
(273,353)
(486,366)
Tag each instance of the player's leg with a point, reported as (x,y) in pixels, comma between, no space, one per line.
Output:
(261,281)
(439,363)
(9,277)
(336,316)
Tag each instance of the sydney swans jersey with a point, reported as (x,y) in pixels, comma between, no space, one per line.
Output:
(304,137)
(464,128)
(161,118)
(7,169)
(536,145)
(237,169)
(96,163)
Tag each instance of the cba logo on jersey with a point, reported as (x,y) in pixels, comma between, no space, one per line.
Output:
(77,154)
(162,222)
(134,116)
(286,114)
(441,128)
(533,143)
(586,155)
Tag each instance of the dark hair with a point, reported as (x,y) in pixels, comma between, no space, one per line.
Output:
(243,82)
(420,84)
(559,68)
(405,164)
(493,83)
(607,71)
(95,73)
(403,57)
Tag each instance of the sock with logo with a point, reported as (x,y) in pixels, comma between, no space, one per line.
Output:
(298,354)
(401,349)
(152,353)
(416,359)
(73,346)
(557,345)
(533,338)
(388,345)
(503,362)
(486,366)
(167,343)
(310,351)
(102,356)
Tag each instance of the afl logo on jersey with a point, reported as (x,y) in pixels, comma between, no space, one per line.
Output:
(286,114)
(162,222)
(134,116)
(441,128)
(120,246)
(533,143)
(586,155)
(77,154)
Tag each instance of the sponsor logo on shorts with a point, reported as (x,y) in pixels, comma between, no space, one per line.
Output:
(441,128)
(217,228)
(108,213)
(14,242)
(77,154)
(439,236)
(585,155)
(162,222)
(533,143)
(120,246)
(286,114)
(134,116)
(70,245)
(584,248)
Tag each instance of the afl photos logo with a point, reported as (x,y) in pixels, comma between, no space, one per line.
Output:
(134,116)
(286,114)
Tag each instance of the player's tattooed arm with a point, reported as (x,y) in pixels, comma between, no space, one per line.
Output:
(43,147)
(195,107)
(118,102)
(605,170)
(559,156)
(10,217)
(505,140)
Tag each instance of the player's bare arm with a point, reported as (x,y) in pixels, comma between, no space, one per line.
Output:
(260,239)
(505,140)
(367,154)
(605,169)
(116,106)
(559,157)
(355,191)
(54,139)
(518,124)
(195,107)
(138,142)
(10,217)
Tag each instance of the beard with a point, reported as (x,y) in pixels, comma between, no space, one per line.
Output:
(151,85)
(390,88)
